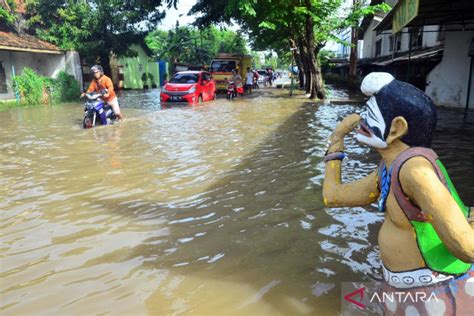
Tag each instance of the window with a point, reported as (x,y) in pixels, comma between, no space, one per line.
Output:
(378,47)
(390,48)
(3,79)
(223,65)
(441,32)
(416,34)
(185,78)
(398,41)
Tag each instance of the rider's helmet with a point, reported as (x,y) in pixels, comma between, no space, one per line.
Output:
(96,68)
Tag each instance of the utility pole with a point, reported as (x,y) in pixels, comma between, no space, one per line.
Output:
(353,55)
(470,54)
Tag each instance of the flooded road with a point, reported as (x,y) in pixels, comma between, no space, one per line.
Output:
(206,210)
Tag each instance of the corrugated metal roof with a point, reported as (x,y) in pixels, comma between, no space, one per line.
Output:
(434,12)
(414,56)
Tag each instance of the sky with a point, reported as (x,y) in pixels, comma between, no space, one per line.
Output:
(173,15)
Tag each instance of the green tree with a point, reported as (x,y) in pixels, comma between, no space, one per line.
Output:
(188,44)
(95,28)
(7,15)
(280,24)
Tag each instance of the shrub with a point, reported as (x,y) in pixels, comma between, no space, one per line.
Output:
(30,86)
(67,86)
(35,89)
(144,78)
(151,78)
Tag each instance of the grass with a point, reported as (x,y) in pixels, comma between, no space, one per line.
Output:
(8,104)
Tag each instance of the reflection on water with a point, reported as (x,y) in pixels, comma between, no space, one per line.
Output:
(214,209)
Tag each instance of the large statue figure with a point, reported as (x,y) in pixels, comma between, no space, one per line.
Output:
(426,239)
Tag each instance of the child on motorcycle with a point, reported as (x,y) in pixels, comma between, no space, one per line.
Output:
(101,82)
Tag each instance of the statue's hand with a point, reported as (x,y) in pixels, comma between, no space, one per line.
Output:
(336,140)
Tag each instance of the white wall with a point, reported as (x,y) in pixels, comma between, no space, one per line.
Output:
(368,47)
(447,82)
(430,36)
(73,65)
(48,65)
(430,39)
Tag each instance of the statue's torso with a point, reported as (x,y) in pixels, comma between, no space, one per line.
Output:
(397,241)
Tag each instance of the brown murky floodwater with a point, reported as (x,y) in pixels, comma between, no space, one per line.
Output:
(208,210)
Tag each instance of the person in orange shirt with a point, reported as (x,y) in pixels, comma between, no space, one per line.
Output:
(101,82)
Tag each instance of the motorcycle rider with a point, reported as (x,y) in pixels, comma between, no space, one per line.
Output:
(255,79)
(237,79)
(101,82)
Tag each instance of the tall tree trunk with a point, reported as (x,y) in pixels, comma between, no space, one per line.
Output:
(316,85)
(304,60)
(299,64)
(321,91)
(105,63)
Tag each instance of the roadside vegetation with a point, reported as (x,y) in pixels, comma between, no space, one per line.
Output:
(32,89)
(7,17)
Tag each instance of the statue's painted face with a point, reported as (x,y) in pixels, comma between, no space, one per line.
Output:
(372,126)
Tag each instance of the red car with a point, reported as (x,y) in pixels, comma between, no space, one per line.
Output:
(189,86)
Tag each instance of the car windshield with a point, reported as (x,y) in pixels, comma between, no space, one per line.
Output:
(185,78)
(223,65)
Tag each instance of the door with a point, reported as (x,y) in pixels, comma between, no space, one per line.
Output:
(207,86)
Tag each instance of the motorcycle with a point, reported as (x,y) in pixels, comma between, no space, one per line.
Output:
(97,111)
(231,90)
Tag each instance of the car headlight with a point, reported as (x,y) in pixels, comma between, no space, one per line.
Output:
(192,89)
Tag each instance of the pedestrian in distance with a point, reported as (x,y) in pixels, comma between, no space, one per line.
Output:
(249,80)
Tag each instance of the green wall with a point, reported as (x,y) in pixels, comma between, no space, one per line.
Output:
(134,67)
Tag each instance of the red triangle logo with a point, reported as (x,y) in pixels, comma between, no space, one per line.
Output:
(359,292)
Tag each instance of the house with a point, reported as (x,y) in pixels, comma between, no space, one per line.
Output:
(19,50)
(137,72)
(341,53)
(425,42)
(340,50)
(409,54)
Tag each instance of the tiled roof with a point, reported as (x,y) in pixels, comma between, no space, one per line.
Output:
(24,42)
